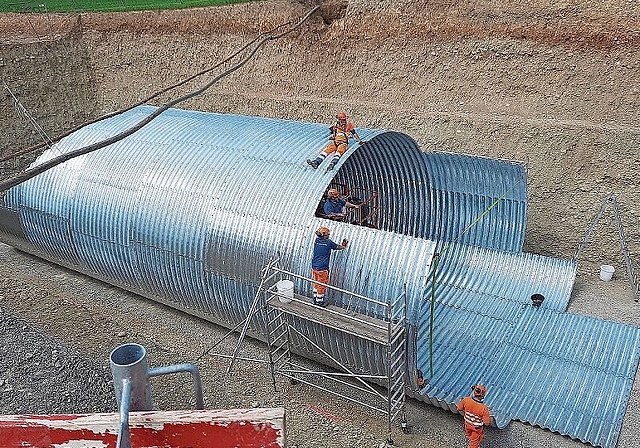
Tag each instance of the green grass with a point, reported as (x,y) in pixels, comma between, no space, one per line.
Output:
(105,5)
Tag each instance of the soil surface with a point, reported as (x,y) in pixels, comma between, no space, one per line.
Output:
(554,84)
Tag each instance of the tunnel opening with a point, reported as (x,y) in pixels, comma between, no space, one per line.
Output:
(354,204)
(389,174)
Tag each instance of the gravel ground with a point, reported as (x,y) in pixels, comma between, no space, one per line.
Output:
(58,328)
(39,375)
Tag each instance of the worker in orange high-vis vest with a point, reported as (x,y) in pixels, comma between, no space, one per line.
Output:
(476,415)
(341,131)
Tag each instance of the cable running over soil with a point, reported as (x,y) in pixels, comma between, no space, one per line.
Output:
(258,41)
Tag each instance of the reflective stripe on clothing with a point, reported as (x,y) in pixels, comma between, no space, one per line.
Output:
(476,413)
(473,419)
(332,147)
(341,133)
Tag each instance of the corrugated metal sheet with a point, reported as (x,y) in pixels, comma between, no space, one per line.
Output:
(187,210)
(569,373)
(566,372)
(438,195)
(490,276)
(471,185)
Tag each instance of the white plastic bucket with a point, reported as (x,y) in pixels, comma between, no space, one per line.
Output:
(606,272)
(285,290)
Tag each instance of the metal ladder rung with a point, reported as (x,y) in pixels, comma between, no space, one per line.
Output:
(396,336)
(398,381)
(397,403)
(396,411)
(277,349)
(282,355)
(393,344)
(397,373)
(398,327)
(279,339)
(280,325)
(272,315)
(394,365)
(398,348)
(398,396)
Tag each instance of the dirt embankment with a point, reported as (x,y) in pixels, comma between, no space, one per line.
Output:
(555,85)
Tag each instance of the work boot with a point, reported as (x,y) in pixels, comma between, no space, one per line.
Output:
(314,163)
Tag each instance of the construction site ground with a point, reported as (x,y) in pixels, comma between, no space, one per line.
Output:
(553,84)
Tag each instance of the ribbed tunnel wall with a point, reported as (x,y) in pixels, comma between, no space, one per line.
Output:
(187,210)
(438,195)
(192,206)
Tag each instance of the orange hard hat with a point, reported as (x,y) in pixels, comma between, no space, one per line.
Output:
(479,391)
(342,116)
(332,193)
(323,232)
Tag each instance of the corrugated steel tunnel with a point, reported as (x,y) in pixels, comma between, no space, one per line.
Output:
(189,209)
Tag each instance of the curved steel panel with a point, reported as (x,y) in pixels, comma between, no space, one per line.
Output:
(533,360)
(187,211)
(464,187)
(438,195)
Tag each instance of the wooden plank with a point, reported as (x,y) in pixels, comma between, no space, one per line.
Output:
(332,316)
(250,428)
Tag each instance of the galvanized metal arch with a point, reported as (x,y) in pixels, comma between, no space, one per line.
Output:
(204,187)
(439,195)
(187,210)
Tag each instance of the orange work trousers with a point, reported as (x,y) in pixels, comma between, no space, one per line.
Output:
(332,147)
(475,435)
(320,276)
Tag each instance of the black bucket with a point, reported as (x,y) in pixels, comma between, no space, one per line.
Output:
(537,299)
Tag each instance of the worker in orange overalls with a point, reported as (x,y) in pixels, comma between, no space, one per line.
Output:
(341,131)
(322,248)
(476,415)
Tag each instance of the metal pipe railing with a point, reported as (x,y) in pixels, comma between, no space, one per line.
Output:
(178,368)
(131,383)
(124,434)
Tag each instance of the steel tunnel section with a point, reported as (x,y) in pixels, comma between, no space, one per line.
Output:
(187,211)
(169,212)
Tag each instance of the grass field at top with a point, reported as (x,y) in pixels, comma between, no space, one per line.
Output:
(104,5)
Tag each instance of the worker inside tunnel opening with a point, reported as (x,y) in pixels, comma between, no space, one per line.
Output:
(353,204)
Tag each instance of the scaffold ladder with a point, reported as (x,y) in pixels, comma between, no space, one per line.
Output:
(610,199)
(292,320)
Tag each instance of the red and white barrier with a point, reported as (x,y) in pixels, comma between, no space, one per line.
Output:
(246,428)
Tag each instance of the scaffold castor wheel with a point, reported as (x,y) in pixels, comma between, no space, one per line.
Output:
(404,427)
(389,441)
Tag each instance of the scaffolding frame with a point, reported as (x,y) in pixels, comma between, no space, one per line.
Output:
(610,200)
(287,318)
